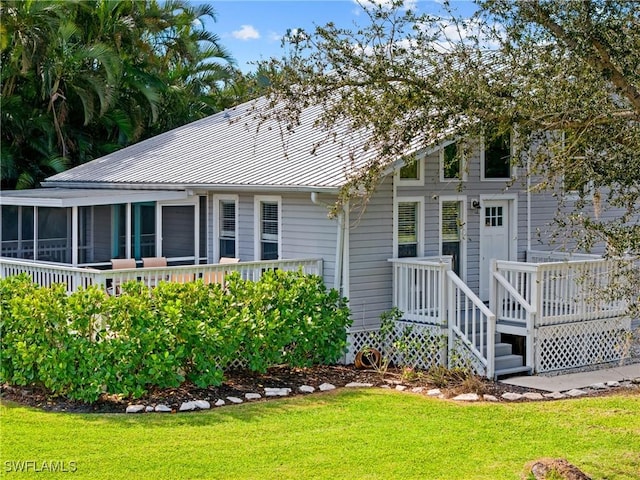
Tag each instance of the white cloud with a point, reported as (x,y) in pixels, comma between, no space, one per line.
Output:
(246,32)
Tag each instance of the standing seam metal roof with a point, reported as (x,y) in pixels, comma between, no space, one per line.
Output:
(228,149)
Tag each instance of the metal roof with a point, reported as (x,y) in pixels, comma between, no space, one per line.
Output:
(229,149)
(77,197)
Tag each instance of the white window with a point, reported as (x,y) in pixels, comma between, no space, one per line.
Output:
(452,163)
(227,227)
(495,157)
(408,235)
(268,228)
(412,172)
(452,231)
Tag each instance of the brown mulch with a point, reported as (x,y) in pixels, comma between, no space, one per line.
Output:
(239,382)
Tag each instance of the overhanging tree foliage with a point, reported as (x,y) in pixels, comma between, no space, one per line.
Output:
(564,75)
(83,78)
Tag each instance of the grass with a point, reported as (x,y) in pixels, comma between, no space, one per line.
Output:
(365,434)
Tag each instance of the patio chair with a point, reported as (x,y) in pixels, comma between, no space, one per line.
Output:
(119,264)
(218,277)
(154,262)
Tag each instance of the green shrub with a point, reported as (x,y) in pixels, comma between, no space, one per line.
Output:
(87,343)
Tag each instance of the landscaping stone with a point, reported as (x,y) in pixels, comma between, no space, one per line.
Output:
(220,403)
(467,397)
(135,408)
(358,385)
(489,398)
(636,381)
(511,396)
(234,399)
(532,396)
(162,409)
(555,395)
(613,383)
(202,404)
(434,392)
(325,387)
(401,388)
(575,392)
(187,406)
(276,392)
(598,386)
(307,389)
(417,389)
(252,396)
(148,408)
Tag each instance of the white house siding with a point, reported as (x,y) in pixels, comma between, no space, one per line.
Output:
(307,232)
(472,189)
(370,247)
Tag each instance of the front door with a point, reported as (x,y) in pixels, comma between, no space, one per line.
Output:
(495,239)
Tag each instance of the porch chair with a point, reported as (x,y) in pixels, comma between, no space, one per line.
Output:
(119,264)
(153,262)
(218,277)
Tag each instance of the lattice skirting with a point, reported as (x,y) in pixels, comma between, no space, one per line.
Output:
(411,344)
(463,357)
(581,344)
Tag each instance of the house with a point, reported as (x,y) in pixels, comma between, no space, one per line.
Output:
(453,259)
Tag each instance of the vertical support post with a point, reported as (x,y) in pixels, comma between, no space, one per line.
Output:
(532,318)
(127,229)
(449,294)
(491,346)
(35,232)
(196,231)
(74,236)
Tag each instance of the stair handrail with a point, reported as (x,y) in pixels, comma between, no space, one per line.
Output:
(489,360)
(514,293)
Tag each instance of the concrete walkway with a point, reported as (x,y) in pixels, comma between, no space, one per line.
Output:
(563,383)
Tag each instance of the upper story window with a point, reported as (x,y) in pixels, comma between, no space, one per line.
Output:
(411,172)
(452,166)
(227,228)
(496,157)
(268,229)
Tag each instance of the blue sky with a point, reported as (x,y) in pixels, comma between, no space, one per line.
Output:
(252,29)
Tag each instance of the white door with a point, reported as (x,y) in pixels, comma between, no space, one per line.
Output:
(495,239)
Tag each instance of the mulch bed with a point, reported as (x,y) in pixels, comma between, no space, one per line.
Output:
(239,382)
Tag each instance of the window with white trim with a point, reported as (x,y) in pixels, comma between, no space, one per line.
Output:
(407,232)
(496,156)
(452,164)
(451,228)
(227,234)
(268,228)
(411,172)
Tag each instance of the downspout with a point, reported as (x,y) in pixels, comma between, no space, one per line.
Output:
(337,277)
(528,206)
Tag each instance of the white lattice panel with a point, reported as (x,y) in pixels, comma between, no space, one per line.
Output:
(580,344)
(413,344)
(462,357)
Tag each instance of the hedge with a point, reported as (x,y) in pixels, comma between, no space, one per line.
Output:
(88,343)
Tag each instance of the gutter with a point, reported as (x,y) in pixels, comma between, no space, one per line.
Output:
(337,277)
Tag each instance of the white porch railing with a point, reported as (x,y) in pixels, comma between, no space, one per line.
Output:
(471,322)
(418,288)
(428,292)
(555,292)
(47,274)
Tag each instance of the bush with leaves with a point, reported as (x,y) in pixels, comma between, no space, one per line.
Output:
(87,343)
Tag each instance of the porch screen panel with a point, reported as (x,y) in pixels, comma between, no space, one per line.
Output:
(407,229)
(94,234)
(17,231)
(227,228)
(54,234)
(451,237)
(144,230)
(269,231)
(178,231)
(203,228)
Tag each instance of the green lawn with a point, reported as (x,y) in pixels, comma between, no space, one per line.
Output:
(350,434)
